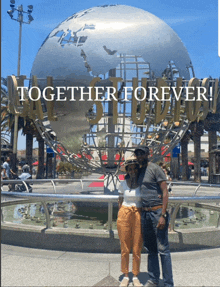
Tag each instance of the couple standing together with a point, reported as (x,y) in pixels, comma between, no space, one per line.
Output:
(142,218)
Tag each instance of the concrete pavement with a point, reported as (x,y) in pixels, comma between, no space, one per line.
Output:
(36,267)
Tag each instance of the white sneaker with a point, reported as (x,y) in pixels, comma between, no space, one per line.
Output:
(136,282)
(124,282)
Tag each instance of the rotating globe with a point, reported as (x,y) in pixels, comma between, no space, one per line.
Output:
(111,40)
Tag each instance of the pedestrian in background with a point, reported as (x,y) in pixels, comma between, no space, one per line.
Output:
(7,171)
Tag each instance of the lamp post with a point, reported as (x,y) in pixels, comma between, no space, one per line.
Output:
(20,20)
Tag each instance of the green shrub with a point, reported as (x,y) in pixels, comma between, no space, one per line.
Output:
(67,168)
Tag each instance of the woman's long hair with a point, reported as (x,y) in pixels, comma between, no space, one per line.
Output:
(127,176)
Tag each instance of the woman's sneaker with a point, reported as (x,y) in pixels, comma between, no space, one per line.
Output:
(124,282)
(136,282)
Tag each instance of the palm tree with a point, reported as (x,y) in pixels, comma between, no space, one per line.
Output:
(212,125)
(4,110)
(5,146)
(184,151)
(8,118)
(40,171)
(29,132)
(197,129)
(27,125)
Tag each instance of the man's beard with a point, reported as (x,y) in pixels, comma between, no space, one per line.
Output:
(144,162)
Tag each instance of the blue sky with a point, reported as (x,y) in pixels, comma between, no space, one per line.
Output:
(196,23)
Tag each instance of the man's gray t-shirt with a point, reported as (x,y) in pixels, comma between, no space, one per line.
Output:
(149,182)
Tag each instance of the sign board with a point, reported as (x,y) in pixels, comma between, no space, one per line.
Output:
(176,151)
(49,150)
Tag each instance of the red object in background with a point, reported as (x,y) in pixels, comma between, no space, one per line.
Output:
(168,156)
(36,163)
(101,184)
(104,157)
(88,156)
(189,163)
(117,158)
(85,155)
(60,149)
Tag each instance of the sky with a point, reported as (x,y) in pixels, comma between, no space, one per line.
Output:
(195,22)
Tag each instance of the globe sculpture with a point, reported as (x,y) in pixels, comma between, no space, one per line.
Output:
(110,41)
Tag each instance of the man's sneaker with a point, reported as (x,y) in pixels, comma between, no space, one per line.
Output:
(136,282)
(124,282)
(150,284)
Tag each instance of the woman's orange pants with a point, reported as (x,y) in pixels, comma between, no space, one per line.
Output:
(129,232)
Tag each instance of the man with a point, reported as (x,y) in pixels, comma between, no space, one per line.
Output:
(7,171)
(154,218)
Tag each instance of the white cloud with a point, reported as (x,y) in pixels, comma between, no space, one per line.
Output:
(186,19)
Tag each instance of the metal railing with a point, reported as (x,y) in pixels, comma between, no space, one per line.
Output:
(198,201)
(52,181)
(63,181)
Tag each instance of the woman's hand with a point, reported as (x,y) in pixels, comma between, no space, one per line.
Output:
(120,200)
(119,204)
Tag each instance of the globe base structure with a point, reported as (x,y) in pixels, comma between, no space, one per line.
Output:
(100,44)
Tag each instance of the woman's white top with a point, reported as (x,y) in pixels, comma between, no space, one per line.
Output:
(132,197)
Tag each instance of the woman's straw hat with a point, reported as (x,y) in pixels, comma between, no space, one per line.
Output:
(131,160)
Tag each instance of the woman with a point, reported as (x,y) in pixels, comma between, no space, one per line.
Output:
(129,221)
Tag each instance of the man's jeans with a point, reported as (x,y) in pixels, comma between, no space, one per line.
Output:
(156,241)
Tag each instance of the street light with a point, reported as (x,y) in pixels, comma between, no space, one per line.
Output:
(20,19)
(30,18)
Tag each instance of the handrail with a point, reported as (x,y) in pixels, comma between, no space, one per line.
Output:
(194,183)
(110,199)
(54,186)
(25,185)
(104,198)
(170,183)
(197,188)
(54,180)
(75,197)
(173,216)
